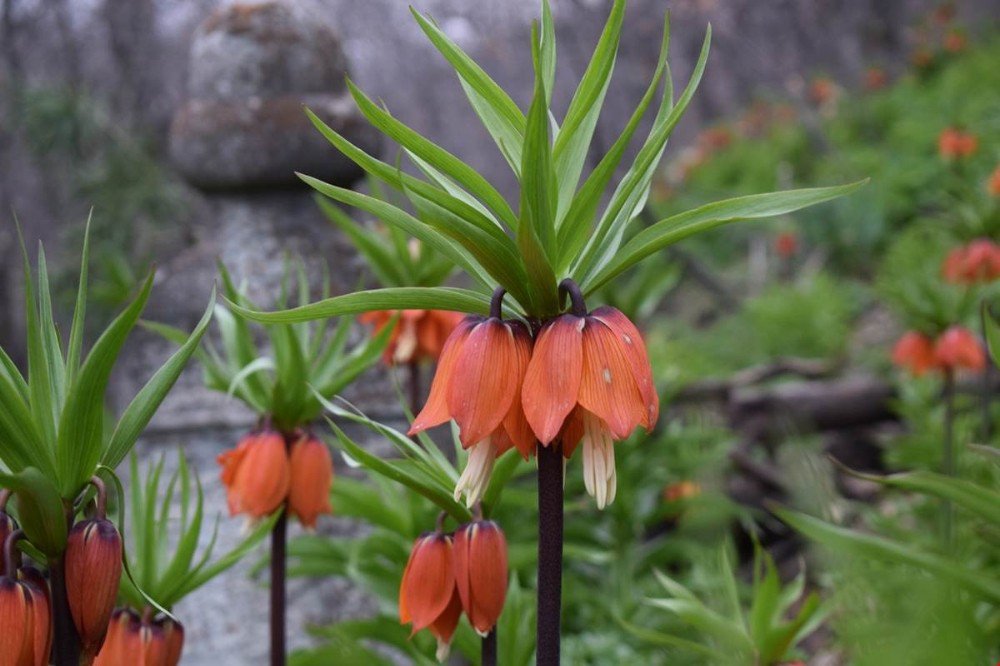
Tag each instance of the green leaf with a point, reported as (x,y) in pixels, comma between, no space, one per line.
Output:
(50,340)
(498,112)
(145,403)
(575,228)
(880,548)
(547,51)
(573,141)
(401,298)
(81,424)
(674,228)
(20,442)
(42,405)
(39,509)
(382,262)
(74,350)
(976,499)
(436,156)
(992,327)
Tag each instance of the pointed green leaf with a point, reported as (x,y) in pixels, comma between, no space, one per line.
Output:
(39,509)
(75,347)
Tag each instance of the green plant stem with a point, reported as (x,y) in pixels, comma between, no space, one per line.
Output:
(948,458)
(489,657)
(279,543)
(550,552)
(986,395)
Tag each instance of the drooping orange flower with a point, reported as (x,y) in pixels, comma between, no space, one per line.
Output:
(955,41)
(914,352)
(311,478)
(428,595)
(41,610)
(16,624)
(417,335)
(93,571)
(589,378)
(979,261)
(481,572)
(135,641)
(993,183)
(786,244)
(954,144)
(958,348)
(681,490)
(478,384)
(256,474)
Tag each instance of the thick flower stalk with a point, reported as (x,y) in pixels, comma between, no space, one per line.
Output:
(478,384)
(590,381)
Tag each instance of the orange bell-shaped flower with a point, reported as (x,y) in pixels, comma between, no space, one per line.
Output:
(914,352)
(478,384)
(41,614)
(311,478)
(93,571)
(135,641)
(590,379)
(428,596)
(16,624)
(481,572)
(958,348)
(256,474)
(417,335)
(993,183)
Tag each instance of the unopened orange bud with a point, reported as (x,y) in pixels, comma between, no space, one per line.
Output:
(311,478)
(135,641)
(256,474)
(93,571)
(428,597)
(481,572)
(16,624)
(41,634)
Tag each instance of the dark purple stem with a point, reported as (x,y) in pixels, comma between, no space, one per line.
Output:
(489,657)
(550,547)
(279,543)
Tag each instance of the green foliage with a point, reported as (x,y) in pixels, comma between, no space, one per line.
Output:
(306,362)
(557,231)
(166,568)
(54,434)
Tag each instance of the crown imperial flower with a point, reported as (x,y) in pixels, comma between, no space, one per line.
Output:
(311,477)
(256,474)
(93,571)
(478,384)
(145,641)
(590,379)
(481,572)
(417,335)
(958,348)
(428,596)
(914,352)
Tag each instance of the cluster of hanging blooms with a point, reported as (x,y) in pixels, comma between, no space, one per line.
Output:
(25,611)
(141,640)
(957,348)
(955,144)
(451,573)
(977,262)
(417,335)
(583,377)
(265,471)
(93,567)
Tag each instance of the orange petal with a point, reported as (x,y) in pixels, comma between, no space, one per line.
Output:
(311,477)
(435,411)
(481,572)
(262,479)
(552,380)
(41,611)
(635,352)
(515,425)
(485,381)
(608,388)
(93,571)
(443,628)
(428,581)
(16,623)
(572,431)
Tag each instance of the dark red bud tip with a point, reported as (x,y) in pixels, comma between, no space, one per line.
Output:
(93,571)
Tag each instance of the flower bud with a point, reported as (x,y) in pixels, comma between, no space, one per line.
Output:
(173,633)
(93,571)
(16,623)
(481,572)
(311,477)
(41,611)
(256,474)
(135,641)
(427,595)
(959,348)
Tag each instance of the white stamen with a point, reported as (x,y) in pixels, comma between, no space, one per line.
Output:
(444,648)
(406,343)
(599,474)
(476,476)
